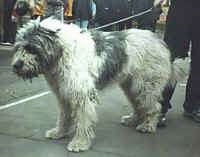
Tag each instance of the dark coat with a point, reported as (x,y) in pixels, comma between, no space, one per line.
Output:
(181,27)
(82,9)
(141,5)
(112,10)
(149,18)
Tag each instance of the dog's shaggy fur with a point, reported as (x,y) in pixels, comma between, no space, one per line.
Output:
(77,65)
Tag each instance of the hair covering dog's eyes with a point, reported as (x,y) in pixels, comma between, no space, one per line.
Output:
(31,49)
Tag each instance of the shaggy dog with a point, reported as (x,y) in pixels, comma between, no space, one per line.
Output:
(77,64)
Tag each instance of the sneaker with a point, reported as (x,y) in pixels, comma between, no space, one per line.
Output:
(162,120)
(194,115)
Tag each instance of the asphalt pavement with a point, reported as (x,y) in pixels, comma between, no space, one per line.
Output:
(23,125)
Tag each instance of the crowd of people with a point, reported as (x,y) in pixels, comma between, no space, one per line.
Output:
(85,13)
(181,33)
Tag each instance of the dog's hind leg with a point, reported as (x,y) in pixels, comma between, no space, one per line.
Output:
(63,123)
(144,98)
(149,108)
(149,119)
(84,121)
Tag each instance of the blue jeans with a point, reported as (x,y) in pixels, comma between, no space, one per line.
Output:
(83,24)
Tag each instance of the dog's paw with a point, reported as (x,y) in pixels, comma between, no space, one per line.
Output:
(79,144)
(55,133)
(129,120)
(146,127)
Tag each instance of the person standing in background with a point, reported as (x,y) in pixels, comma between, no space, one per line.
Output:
(147,21)
(1,21)
(9,28)
(55,8)
(83,11)
(68,9)
(24,10)
(182,34)
(38,9)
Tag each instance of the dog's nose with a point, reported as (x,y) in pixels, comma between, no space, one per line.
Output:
(18,65)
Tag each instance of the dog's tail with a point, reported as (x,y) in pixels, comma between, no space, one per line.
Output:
(180,69)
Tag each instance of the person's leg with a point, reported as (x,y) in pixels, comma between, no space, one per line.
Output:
(165,102)
(177,38)
(192,96)
(167,95)
(8,26)
(129,24)
(121,26)
(146,24)
(84,24)
(78,23)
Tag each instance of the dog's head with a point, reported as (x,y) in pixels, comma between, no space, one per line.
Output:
(36,50)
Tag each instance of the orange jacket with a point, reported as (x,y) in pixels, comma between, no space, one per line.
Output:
(68,9)
(39,8)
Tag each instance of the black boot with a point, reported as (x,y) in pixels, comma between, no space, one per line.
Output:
(162,118)
(166,105)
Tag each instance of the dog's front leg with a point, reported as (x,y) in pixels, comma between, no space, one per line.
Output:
(63,121)
(84,121)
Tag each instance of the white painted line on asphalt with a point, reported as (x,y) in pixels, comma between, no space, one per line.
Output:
(24,100)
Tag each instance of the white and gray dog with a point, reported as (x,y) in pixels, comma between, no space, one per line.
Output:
(77,64)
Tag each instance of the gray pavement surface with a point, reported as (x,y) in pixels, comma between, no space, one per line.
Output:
(22,127)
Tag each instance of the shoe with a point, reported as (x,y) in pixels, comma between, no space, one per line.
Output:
(194,115)
(162,121)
